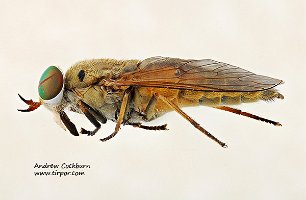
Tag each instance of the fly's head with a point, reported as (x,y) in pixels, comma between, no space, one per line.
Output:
(50,90)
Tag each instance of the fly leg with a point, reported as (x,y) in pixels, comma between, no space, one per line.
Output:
(239,112)
(194,123)
(69,125)
(92,116)
(148,115)
(149,111)
(95,113)
(155,128)
(121,114)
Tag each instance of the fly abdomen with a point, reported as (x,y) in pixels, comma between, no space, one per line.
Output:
(231,100)
(249,97)
(220,98)
(234,98)
(210,101)
(270,95)
(194,98)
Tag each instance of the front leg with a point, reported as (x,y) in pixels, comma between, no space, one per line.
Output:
(69,125)
(92,115)
(89,113)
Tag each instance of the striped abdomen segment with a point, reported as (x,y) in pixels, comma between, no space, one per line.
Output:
(193,98)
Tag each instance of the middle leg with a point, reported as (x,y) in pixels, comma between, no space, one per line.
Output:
(121,115)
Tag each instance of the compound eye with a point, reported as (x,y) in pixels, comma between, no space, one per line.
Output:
(51,84)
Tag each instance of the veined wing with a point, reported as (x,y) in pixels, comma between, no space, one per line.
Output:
(200,75)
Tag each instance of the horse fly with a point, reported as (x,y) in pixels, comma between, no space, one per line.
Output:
(130,92)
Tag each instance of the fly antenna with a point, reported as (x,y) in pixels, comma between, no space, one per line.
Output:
(32,105)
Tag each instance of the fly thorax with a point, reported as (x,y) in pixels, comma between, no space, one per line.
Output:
(89,72)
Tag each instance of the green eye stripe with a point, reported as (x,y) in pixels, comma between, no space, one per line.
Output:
(50,83)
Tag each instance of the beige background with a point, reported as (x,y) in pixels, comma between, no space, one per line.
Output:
(262,161)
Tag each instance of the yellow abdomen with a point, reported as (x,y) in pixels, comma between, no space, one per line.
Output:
(194,98)
(183,98)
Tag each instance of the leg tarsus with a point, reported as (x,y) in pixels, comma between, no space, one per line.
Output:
(109,137)
(155,128)
(240,112)
(138,125)
(88,133)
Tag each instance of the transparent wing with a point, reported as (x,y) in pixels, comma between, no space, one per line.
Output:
(201,75)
